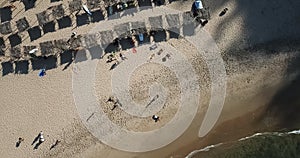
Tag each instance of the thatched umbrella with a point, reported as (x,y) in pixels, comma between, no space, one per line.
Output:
(187,17)
(27,50)
(106,37)
(15,52)
(92,4)
(5,28)
(58,11)
(173,20)
(22,24)
(75,5)
(156,22)
(2,44)
(121,30)
(90,40)
(44,17)
(76,43)
(61,44)
(47,48)
(138,27)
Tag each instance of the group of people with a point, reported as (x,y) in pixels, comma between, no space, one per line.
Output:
(114,57)
(38,140)
(117,103)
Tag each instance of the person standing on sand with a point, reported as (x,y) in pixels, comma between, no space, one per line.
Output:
(155,118)
(73,34)
(19,142)
(40,138)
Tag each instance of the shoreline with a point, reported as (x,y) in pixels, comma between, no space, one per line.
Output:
(262,119)
(219,148)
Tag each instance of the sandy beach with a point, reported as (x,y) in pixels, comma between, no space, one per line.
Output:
(258,42)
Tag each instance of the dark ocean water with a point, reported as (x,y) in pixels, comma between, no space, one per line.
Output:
(259,145)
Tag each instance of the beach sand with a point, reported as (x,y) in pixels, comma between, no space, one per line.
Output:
(261,57)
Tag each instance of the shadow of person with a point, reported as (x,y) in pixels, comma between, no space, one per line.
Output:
(223,12)
(114,65)
(69,63)
(37,145)
(55,144)
(18,144)
(115,105)
(35,139)
(152,100)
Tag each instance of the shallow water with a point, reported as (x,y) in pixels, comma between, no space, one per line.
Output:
(270,144)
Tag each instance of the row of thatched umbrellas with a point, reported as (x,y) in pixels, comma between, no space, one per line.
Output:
(55,46)
(51,14)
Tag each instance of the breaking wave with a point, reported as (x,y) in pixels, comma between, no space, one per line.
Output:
(207,148)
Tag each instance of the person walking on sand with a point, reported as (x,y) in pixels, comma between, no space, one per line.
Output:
(41,138)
